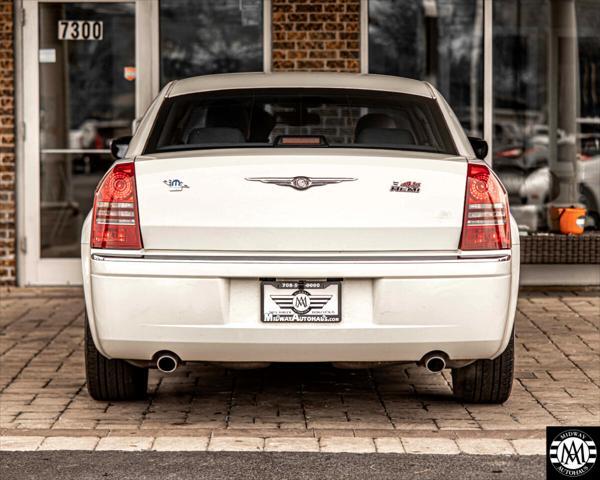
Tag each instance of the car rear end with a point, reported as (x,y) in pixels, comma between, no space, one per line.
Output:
(346,253)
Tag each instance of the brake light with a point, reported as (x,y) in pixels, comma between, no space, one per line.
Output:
(486,223)
(115,222)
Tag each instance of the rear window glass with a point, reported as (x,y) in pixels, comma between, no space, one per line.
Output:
(300,117)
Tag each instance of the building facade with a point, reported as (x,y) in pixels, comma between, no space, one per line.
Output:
(75,74)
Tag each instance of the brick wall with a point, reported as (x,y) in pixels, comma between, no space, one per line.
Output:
(317,35)
(7,146)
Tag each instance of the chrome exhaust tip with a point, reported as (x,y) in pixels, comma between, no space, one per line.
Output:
(167,362)
(435,362)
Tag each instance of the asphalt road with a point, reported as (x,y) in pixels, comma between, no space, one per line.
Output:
(262,466)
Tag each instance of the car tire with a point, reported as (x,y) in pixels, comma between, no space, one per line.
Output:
(111,380)
(486,381)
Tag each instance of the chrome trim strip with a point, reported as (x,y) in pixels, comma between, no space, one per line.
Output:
(76,150)
(375,259)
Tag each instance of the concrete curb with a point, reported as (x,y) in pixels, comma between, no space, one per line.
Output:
(277,433)
(331,444)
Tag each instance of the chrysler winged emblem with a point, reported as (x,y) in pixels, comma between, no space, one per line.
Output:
(301,183)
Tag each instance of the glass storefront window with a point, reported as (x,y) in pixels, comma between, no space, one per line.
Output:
(588,171)
(520,97)
(87,98)
(210,36)
(440,41)
(536,161)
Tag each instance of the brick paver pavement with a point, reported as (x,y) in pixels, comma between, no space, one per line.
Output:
(42,388)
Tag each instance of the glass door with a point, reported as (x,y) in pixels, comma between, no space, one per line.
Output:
(79,93)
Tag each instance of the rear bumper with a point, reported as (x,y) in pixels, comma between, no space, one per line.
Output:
(392,310)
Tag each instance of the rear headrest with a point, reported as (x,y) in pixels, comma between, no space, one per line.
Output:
(216,135)
(373,120)
(230,116)
(261,125)
(385,136)
(195,120)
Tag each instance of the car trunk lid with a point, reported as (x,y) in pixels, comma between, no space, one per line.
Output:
(204,200)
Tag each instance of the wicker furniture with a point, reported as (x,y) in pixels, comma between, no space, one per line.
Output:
(553,248)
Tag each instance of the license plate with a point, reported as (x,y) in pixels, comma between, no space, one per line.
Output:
(301,301)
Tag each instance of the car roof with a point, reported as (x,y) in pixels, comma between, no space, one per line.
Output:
(232,81)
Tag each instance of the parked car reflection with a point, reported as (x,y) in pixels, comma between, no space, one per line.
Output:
(524,170)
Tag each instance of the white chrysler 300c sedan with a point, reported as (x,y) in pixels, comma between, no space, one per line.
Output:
(258,218)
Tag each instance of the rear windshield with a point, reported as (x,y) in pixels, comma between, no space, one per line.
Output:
(300,117)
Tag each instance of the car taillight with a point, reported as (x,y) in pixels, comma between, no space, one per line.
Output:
(115,222)
(486,224)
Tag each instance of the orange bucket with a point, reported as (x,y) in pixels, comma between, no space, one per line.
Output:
(567,220)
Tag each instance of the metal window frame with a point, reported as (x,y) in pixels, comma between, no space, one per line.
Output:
(364,36)
(32,269)
(20,240)
(488,82)
(267,35)
(147,53)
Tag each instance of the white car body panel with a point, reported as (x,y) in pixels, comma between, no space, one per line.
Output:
(392,311)
(233,214)
(194,289)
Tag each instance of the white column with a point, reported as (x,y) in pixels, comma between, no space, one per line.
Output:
(267,35)
(563,97)
(488,80)
(147,53)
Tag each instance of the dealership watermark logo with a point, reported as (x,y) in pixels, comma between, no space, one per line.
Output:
(572,451)
(301,301)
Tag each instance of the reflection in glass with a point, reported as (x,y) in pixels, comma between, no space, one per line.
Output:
(85,101)
(439,41)
(68,198)
(588,171)
(524,143)
(212,36)
(278,117)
